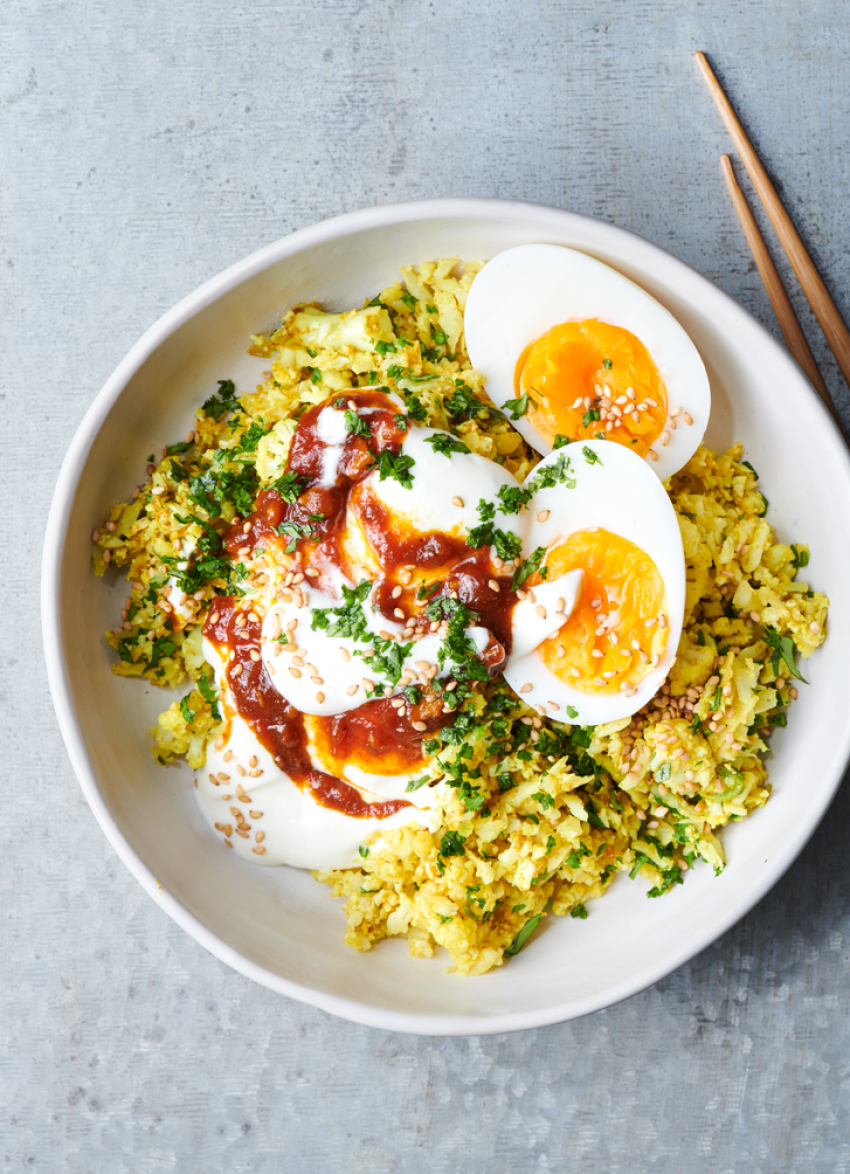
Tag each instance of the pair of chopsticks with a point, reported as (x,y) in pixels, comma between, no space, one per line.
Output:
(824,308)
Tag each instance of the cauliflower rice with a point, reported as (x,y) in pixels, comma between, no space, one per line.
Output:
(539,816)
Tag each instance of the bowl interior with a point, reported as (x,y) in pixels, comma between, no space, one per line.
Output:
(278,925)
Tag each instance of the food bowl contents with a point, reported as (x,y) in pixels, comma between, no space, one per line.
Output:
(466,686)
(574,350)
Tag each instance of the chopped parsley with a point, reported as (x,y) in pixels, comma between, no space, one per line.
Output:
(783,651)
(800,557)
(295,531)
(523,935)
(519,406)
(528,567)
(209,695)
(452,844)
(290,487)
(463,404)
(445,444)
(224,400)
(415,408)
(590,456)
(356,424)
(396,465)
(555,473)
(511,498)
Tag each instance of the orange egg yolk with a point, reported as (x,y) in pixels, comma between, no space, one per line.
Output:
(618,628)
(590,379)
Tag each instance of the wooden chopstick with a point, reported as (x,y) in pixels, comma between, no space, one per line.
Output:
(788,322)
(825,309)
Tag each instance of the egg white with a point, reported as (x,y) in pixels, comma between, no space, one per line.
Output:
(525,291)
(296,829)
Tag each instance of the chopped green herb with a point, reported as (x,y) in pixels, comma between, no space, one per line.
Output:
(519,406)
(452,844)
(590,456)
(290,487)
(523,936)
(445,444)
(396,465)
(528,567)
(356,424)
(800,557)
(783,651)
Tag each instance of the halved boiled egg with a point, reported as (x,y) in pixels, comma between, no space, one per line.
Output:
(598,510)
(588,354)
(269,818)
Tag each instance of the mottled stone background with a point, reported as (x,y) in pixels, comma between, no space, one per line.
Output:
(144,147)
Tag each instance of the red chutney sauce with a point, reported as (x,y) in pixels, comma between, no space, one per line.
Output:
(305,522)
(277,725)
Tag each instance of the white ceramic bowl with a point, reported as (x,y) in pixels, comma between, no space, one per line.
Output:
(277,925)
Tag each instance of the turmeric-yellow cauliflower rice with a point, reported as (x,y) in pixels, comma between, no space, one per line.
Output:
(538,816)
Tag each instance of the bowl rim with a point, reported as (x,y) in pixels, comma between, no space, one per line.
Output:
(56,536)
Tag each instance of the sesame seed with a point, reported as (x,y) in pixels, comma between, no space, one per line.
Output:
(320,697)
(458,501)
(311,573)
(541,611)
(575,672)
(352,689)
(420,727)
(527,687)
(258,851)
(367,684)
(561,650)
(543,516)
(653,455)
(598,653)
(688,419)
(255,656)
(256,814)
(792,693)
(398,613)
(295,672)
(814,626)
(653,823)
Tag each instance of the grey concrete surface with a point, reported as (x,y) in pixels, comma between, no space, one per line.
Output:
(144,147)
